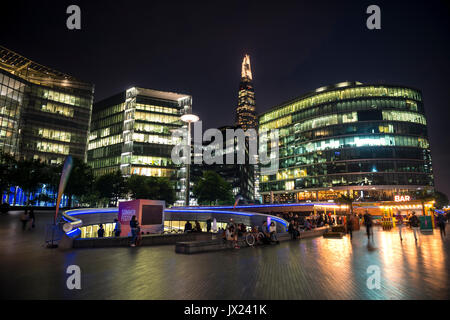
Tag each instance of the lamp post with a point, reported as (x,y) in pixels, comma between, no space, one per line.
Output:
(189,118)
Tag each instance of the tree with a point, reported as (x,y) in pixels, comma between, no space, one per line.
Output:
(7,167)
(346,200)
(438,197)
(28,175)
(111,186)
(155,188)
(441,199)
(80,181)
(211,188)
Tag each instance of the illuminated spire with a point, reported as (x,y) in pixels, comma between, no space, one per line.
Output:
(246,69)
(246,109)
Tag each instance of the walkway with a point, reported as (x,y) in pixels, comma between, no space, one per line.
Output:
(308,269)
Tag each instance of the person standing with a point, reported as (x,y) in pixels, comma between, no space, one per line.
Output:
(350,226)
(415,225)
(24,218)
(117,228)
(134,230)
(208,225)
(400,225)
(368,223)
(441,224)
(273,232)
(188,227)
(198,228)
(101,231)
(32,219)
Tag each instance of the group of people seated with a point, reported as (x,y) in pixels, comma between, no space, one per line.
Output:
(188,227)
(263,234)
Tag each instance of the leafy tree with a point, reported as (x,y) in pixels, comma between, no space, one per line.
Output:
(346,200)
(212,188)
(440,199)
(28,175)
(80,181)
(7,167)
(155,188)
(111,186)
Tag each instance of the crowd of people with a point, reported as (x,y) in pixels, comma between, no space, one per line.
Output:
(268,233)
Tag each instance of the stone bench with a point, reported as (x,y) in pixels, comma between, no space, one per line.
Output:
(189,247)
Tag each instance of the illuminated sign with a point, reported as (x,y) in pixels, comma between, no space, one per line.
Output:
(398,198)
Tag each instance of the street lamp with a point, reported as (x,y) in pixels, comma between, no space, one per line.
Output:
(189,118)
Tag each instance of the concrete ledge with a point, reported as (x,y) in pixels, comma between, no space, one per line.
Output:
(333,235)
(318,232)
(190,247)
(147,240)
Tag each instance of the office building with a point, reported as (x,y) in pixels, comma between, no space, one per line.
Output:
(367,141)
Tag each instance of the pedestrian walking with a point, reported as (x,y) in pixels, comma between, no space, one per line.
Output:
(117,228)
(350,222)
(415,225)
(134,231)
(400,224)
(208,225)
(441,224)
(32,222)
(368,222)
(24,218)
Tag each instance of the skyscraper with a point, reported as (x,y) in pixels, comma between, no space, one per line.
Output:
(246,109)
(132,131)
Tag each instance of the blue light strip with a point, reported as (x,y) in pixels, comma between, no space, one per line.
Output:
(267,205)
(181,210)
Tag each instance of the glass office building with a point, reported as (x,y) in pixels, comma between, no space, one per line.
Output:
(132,132)
(44,114)
(367,141)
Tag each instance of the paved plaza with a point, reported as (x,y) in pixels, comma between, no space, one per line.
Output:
(315,268)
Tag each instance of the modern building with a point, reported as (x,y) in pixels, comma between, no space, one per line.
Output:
(44,114)
(246,110)
(246,117)
(367,141)
(239,176)
(132,132)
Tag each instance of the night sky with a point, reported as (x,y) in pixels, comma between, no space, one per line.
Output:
(196,47)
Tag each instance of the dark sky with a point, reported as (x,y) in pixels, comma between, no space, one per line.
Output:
(196,47)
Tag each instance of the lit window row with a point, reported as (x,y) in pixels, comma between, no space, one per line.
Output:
(404,116)
(109,111)
(151,138)
(105,142)
(58,109)
(160,109)
(147,127)
(44,146)
(152,117)
(54,134)
(62,97)
(153,172)
(355,141)
(151,161)
(336,95)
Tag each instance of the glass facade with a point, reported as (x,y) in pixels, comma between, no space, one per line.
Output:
(132,132)
(44,114)
(350,137)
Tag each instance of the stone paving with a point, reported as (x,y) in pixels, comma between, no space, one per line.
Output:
(315,268)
